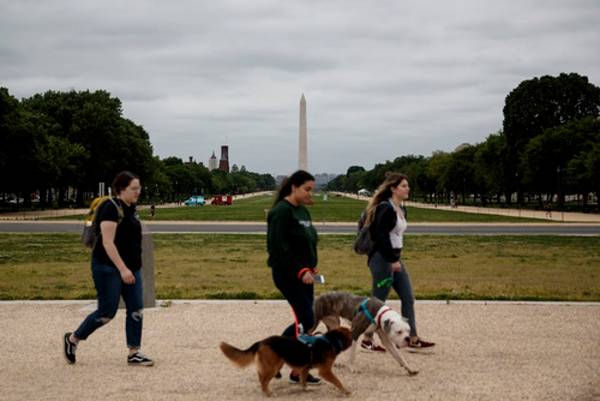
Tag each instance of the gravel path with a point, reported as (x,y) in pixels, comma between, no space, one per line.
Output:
(484,352)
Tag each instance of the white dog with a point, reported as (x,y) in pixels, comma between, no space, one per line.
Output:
(367,315)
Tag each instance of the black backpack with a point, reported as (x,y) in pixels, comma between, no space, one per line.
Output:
(363,245)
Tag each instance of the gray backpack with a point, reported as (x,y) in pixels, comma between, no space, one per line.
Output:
(363,245)
(88,235)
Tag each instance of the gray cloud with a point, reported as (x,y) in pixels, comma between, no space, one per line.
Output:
(382,78)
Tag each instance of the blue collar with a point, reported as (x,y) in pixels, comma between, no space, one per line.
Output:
(363,308)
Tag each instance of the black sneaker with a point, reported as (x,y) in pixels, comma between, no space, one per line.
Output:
(70,348)
(139,359)
(310,379)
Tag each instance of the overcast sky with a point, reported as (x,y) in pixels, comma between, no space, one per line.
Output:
(381,78)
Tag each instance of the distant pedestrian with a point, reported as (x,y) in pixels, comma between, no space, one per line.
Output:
(386,218)
(152,211)
(548,210)
(116,264)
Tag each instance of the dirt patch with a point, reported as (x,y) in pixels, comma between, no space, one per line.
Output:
(484,352)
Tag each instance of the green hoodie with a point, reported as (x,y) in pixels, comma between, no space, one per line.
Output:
(291,238)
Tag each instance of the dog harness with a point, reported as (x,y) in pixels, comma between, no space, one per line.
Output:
(311,340)
(380,313)
(365,311)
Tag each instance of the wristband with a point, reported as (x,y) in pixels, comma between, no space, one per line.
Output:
(302,271)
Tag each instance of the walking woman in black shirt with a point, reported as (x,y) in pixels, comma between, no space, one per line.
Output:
(116,264)
(386,218)
(292,247)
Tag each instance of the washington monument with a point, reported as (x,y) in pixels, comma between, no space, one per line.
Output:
(302,139)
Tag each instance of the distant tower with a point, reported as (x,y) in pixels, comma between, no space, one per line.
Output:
(224,162)
(212,162)
(302,138)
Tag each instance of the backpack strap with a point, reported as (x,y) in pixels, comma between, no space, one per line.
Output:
(120,212)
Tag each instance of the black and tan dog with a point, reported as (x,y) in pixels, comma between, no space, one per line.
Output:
(271,353)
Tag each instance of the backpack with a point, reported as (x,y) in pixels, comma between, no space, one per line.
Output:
(88,235)
(363,245)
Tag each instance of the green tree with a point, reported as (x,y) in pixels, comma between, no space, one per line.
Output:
(93,120)
(548,156)
(490,170)
(541,103)
(436,173)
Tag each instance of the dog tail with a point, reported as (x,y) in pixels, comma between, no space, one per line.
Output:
(242,358)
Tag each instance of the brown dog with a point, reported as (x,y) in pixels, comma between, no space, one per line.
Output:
(271,353)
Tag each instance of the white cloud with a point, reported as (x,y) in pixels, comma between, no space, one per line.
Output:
(381,78)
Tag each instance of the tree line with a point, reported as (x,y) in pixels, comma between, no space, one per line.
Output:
(56,147)
(549,147)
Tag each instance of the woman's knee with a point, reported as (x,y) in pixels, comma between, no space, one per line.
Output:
(106,315)
(137,314)
(380,293)
(107,311)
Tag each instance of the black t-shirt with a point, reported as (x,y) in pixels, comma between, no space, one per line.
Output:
(128,237)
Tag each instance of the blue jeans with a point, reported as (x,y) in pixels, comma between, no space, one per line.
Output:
(110,288)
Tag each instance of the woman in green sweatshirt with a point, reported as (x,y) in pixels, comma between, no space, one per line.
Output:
(292,247)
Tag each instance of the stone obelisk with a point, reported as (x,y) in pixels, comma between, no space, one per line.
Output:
(302,138)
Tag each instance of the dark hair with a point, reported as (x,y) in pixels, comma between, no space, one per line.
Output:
(296,179)
(384,192)
(122,181)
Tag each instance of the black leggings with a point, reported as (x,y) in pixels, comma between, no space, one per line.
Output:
(300,296)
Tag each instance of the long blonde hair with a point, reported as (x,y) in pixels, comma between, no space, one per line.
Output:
(383,193)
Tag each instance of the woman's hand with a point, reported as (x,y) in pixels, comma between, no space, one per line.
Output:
(127,276)
(396,266)
(308,278)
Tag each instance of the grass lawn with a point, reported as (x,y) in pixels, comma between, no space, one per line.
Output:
(56,266)
(335,209)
